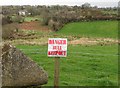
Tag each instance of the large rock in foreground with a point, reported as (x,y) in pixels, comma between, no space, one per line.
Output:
(19,70)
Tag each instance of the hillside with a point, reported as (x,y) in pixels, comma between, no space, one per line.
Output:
(91,29)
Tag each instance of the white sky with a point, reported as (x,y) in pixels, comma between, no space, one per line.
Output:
(100,3)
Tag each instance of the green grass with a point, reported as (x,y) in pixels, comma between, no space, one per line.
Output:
(29,19)
(84,66)
(91,29)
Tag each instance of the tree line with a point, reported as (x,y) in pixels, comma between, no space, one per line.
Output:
(56,16)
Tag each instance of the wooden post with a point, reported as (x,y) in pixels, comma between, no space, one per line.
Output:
(56,74)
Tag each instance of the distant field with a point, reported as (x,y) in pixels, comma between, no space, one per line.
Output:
(29,19)
(91,29)
(84,65)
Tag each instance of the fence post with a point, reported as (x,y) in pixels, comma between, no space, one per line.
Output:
(56,74)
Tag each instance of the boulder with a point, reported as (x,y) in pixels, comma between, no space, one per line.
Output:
(20,70)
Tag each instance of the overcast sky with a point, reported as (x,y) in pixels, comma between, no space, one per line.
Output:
(99,3)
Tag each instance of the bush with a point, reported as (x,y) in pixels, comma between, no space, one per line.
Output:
(8,31)
(45,20)
(18,19)
(6,20)
(12,19)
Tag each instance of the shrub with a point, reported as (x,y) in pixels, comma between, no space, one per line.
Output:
(6,20)
(18,19)
(8,31)
(45,20)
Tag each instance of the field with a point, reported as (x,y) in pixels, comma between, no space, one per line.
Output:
(84,65)
(87,64)
(92,29)
(33,26)
(92,33)
(29,19)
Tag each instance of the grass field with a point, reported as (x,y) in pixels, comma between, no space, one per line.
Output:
(29,19)
(84,66)
(91,29)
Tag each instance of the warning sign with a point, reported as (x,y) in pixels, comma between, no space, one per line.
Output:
(57,47)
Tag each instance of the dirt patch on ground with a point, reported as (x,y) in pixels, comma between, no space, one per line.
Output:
(81,41)
(93,41)
(33,25)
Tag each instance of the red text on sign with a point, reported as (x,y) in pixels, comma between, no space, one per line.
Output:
(57,47)
(56,52)
(57,42)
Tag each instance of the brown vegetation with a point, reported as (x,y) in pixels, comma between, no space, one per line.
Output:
(9,31)
(34,25)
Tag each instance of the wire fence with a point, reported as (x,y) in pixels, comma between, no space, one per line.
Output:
(44,52)
(79,65)
(77,62)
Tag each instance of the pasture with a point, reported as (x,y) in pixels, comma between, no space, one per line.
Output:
(104,29)
(84,66)
(92,55)
(29,19)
